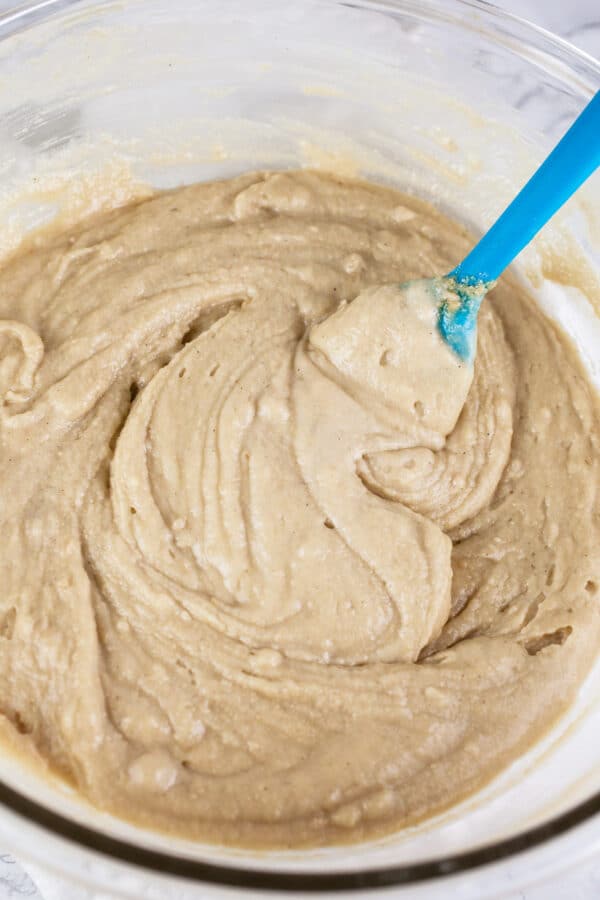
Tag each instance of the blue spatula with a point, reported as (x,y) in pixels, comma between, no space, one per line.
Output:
(573,160)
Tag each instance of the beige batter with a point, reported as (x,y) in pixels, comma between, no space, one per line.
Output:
(276,567)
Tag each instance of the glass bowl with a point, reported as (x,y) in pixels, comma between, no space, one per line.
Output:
(450,99)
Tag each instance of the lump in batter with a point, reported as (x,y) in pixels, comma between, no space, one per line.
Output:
(277,567)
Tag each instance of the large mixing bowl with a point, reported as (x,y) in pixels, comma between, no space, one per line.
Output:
(450,99)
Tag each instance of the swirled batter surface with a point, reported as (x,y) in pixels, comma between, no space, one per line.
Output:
(277,567)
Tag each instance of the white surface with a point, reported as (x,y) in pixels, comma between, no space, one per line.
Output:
(579,21)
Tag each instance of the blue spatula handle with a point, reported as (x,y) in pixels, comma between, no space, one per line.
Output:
(570,163)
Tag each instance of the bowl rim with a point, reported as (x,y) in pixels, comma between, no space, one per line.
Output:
(244,878)
(499,26)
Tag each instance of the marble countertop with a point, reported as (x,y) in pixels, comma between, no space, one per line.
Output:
(579,22)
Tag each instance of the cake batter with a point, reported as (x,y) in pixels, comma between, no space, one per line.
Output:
(277,567)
